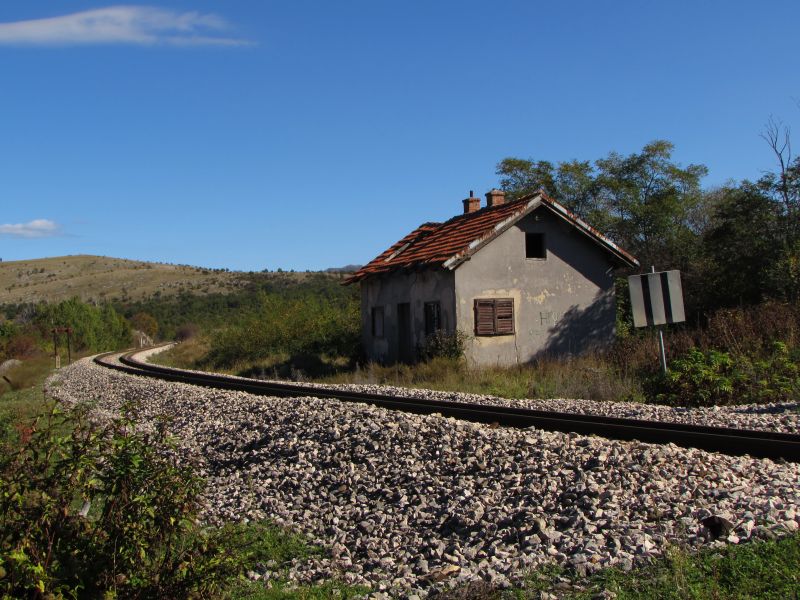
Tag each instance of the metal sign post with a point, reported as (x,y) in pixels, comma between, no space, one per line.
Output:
(657,299)
(662,349)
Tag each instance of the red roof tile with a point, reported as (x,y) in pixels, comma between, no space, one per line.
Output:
(446,245)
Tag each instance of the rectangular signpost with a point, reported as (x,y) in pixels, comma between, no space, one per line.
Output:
(657,299)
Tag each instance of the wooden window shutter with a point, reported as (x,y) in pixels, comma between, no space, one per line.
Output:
(484,317)
(504,316)
(494,317)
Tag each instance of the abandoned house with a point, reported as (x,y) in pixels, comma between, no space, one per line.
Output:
(521,279)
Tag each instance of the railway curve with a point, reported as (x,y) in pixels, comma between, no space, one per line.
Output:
(761,444)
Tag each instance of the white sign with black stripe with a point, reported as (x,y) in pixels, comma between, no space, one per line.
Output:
(656,298)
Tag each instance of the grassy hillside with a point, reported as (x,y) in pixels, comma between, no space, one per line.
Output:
(100,278)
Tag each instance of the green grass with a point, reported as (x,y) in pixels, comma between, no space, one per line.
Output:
(23,400)
(758,569)
(267,544)
(254,590)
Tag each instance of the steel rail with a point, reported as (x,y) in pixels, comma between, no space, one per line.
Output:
(761,444)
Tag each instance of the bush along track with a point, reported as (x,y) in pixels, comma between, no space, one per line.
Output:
(405,502)
(97,509)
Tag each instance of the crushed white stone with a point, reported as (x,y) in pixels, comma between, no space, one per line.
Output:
(779,417)
(403,500)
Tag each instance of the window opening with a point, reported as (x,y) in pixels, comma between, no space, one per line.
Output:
(534,245)
(433,318)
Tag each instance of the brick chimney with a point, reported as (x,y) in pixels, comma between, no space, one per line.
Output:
(471,204)
(495,197)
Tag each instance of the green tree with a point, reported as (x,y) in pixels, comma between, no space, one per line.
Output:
(93,328)
(145,323)
(645,201)
(572,183)
(650,201)
(740,247)
(520,176)
(576,188)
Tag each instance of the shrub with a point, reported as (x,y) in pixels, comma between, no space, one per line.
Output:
(103,512)
(711,377)
(22,346)
(145,323)
(305,325)
(442,344)
(186,332)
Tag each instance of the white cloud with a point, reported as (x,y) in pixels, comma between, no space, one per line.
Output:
(37,228)
(140,25)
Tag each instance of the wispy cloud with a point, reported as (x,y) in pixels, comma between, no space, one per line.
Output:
(138,25)
(38,228)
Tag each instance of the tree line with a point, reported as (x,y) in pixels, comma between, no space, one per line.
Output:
(737,244)
(27,329)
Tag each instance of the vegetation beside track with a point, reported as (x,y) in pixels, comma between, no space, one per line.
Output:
(741,356)
(756,569)
(140,537)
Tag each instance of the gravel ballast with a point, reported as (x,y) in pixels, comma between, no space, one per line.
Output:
(403,501)
(779,417)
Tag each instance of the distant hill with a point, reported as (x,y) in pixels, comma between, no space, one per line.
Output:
(344,269)
(99,278)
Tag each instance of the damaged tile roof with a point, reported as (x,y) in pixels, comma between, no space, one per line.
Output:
(448,244)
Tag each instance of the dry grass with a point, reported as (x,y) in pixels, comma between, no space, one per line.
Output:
(588,377)
(186,355)
(101,278)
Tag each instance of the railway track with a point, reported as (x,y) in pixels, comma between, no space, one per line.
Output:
(762,444)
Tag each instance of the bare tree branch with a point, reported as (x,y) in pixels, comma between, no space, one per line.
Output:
(778,138)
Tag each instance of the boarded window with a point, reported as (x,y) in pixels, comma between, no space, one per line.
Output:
(494,317)
(377,321)
(534,246)
(433,318)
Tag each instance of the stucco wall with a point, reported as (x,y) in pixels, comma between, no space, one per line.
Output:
(563,304)
(416,288)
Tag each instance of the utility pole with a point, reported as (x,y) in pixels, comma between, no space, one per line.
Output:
(56,355)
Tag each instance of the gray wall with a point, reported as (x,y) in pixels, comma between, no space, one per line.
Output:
(563,304)
(415,288)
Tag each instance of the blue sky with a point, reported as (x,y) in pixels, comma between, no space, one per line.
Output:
(309,134)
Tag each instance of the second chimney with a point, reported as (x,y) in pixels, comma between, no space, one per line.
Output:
(471,204)
(495,197)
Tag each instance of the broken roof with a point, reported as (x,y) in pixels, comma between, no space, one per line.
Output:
(447,245)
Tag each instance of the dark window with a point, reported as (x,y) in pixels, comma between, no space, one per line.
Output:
(534,246)
(494,317)
(377,321)
(433,318)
